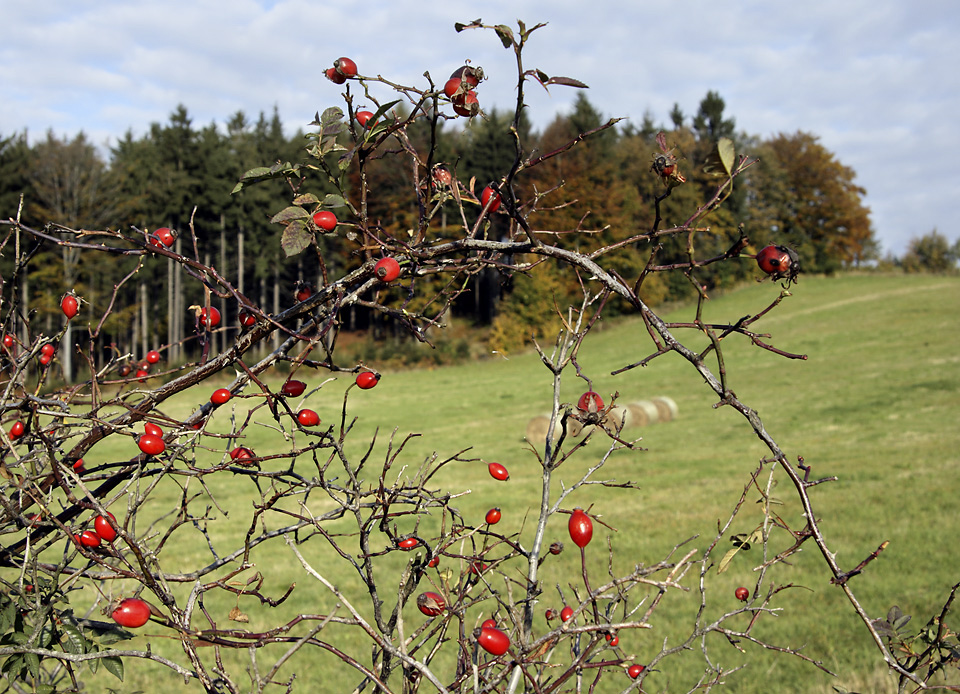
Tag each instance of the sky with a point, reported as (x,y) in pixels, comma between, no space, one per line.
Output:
(878,81)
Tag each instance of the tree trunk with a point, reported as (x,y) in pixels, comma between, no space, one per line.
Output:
(240,260)
(177,318)
(276,305)
(25,309)
(171,308)
(223,270)
(145,331)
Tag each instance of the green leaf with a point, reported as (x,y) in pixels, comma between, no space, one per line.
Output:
(45,689)
(344,161)
(386,107)
(296,237)
(257,172)
(289,214)
(32,661)
(328,145)
(73,640)
(112,636)
(306,199)
(506,35)
(727,558)
(46,635)
(8,614)
(264,173)
(114,666)
(17,637)
(13,664)
(332,115)
(332,200)
(721,159)
(902,622)
(727,153)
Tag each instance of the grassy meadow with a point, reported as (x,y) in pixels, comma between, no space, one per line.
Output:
(876,404)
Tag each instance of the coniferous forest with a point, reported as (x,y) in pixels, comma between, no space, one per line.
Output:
(182,176)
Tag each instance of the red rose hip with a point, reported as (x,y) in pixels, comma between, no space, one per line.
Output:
(387,270)
(164,236)
(779,261)
(70,306)
(346,67)
(466,104)
(590,402)
(363,118)
(16,431)
(88,538)
(242,455)
(293,388)
(131,613)
(210,318)
(367,380)
(326,220)
(493,641)
(103,527)
(308,418)
(431,604)
(498,472)
(491,197)
(581,528)
(151,445)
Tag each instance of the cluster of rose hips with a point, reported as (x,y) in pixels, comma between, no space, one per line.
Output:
(16,430)
(342,70)
(488,636)
(460,90)
(103,531)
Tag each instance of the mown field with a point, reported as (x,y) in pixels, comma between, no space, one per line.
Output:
(876,404)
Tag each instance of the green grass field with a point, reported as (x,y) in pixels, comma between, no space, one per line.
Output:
(876,404)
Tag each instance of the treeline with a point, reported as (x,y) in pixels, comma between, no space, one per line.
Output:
(598,193)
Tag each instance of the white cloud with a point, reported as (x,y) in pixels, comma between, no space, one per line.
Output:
(875,79)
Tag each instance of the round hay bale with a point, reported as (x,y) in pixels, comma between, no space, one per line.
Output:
(664,409)
(650,413)
(638,416)
(537,430)
(616,419)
